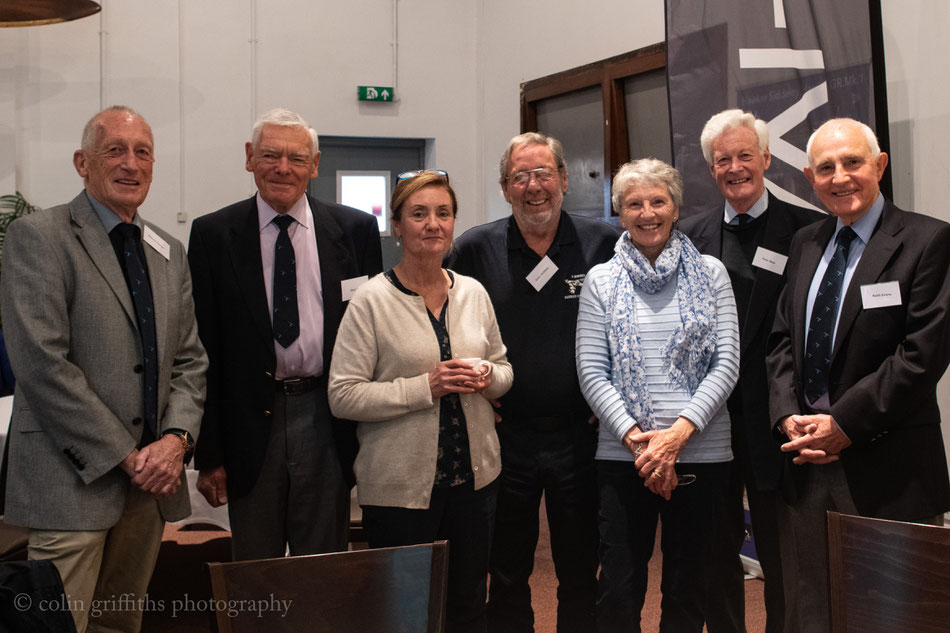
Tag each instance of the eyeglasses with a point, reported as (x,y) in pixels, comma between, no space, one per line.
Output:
(541,174)
(272,157)
(406,175)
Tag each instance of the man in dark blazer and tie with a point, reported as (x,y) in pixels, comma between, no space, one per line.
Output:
(100,327)
(861,338)
(751,234)
(272,275)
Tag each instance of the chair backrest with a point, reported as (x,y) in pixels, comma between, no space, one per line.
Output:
(888,576)
(395,589)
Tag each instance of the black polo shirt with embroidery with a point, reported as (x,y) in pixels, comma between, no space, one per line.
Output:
(538,327)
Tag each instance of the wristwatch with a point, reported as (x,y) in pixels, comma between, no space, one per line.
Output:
(187,442)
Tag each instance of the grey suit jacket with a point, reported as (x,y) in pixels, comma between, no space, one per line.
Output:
(72,339)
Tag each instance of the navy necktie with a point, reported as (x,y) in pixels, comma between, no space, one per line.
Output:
(286,315)
(742,218)
(137,278)
(821,328)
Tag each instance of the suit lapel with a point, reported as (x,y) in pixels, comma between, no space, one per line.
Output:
(765,290)
(884,242)
(335,261)
(245,253)
(708,236)
(94,239)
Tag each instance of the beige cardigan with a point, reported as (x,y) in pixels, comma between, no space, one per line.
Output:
(384,351)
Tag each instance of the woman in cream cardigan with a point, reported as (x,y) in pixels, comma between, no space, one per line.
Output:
(417,358)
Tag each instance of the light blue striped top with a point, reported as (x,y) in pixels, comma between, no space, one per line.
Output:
(657,315)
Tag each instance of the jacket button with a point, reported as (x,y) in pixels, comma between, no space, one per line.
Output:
(267,414)
(138,369)
(268,374)
(136,421)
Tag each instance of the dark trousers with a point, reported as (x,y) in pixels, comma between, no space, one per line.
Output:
(725,576)
(559,464)
(299,499)
(628,519)
(805,549)
(463,516)
(725,610)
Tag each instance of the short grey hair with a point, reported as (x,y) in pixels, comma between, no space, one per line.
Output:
(530,138)
(830,124)
(90,133)
(729,120)
(285,118)
(646,171)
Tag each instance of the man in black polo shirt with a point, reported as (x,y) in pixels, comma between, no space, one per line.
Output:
(751,235)
(533,264)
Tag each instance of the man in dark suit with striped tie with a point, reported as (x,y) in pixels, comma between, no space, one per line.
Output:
(861,337)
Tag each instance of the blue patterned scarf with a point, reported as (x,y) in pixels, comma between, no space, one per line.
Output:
(689,349)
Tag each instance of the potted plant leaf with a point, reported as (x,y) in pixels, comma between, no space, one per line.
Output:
(11,207)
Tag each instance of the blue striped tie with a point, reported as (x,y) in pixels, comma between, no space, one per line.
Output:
(824,312)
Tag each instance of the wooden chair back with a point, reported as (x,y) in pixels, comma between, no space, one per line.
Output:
(396,589)
(888,576)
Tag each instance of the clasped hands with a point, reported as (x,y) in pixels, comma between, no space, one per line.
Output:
(156,468)
(459,376)
(816,438)
(656,453)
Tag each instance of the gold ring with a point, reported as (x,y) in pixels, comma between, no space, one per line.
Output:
(657,473)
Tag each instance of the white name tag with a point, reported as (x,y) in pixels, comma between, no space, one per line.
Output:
(769,260)
(152,239)
(542,273)
(348,286)
(881,295)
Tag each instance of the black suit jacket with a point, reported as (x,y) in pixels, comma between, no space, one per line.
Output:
(234,324)
(749,405)
(884,368)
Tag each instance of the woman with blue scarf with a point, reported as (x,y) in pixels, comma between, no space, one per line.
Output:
(657,356)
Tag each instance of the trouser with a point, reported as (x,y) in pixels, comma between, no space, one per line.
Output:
(463,516)
(804,531)
(560,465)
(627,520)
(106,572)
(725,610)
(299,499)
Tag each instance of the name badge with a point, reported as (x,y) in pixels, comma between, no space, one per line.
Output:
(881,295)
(348,286)
(542,273)
(769,260)
(151,238)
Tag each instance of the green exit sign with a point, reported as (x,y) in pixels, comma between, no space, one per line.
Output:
(376,93)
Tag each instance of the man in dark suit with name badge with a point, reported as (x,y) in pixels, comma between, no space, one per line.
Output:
(751,236)
(861,338)
(272,275)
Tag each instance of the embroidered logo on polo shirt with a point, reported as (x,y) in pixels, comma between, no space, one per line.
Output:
(574,283)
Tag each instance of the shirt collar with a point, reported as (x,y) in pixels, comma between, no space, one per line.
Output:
(108,218)
(565,233)
(864,227)
(757,209)
(300,212)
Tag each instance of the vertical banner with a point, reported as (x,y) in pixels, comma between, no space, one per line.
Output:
(792,63)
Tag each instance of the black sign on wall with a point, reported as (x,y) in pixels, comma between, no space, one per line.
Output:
(792,63)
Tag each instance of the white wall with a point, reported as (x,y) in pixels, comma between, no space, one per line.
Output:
(200,71)
(193,70)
